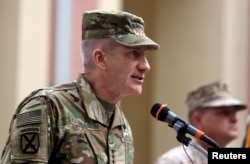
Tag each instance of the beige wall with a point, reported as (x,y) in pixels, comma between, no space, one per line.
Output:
(8,44)
(200,42)
(33,46)
(24,54)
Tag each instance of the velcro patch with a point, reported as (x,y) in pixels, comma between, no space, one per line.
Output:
(30,130)
(30,143)
(29,117)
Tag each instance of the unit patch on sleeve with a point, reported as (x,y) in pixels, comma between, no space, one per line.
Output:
(30,140)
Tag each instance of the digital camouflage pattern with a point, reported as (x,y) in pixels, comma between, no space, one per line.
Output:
(215,94)
(67,124)
(123,27)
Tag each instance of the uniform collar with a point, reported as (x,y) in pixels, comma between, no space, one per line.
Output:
(93,106)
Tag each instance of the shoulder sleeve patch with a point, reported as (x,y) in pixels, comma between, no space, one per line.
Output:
(30,140)
(29,136)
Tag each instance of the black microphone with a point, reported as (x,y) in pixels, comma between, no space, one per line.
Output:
(163,113)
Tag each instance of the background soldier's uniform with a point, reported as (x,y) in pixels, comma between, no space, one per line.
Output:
(183,155)
(67,124)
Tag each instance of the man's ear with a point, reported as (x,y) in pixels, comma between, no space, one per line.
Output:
(195,118)
(99,58)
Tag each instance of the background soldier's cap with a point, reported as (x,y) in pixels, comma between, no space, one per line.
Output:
(216,94)
(123,27)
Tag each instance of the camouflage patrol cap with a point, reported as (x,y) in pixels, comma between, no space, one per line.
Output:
(216,94)
(123,27)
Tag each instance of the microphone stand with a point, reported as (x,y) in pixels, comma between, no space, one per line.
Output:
(188,141)
(180,128)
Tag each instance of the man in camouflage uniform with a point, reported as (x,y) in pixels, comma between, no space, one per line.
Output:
(212,109)
(82,121)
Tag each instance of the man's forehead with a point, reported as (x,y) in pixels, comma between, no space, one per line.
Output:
(222,109)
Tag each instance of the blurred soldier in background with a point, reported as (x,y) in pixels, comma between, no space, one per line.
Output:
(213,110)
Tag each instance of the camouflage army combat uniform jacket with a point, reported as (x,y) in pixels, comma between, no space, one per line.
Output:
(67,124)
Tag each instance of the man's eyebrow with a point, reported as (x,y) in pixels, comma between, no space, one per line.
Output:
(137,48)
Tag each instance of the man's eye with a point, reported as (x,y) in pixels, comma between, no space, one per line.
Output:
(135,54)
(226,113)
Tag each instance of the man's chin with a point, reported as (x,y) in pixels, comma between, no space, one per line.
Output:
(137,90)
(234,135)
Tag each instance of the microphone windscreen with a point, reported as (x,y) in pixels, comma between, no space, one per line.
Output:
(159,111)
